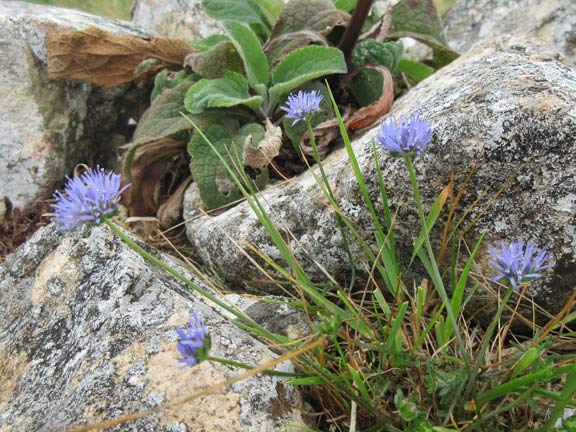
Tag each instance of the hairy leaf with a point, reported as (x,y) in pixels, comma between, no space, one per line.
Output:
(213,62)
(228,91)
(216,187)
(163,118)
(311,16)
(108,60)
(415,70)
(208,42)
(303,65)
(420,20)
(366,86)
(247,11)
(249,48)
(166,79)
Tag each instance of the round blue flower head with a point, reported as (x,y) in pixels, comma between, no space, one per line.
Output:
(194,342)
(519,262)
(87,198)
(302,104)
(404,135)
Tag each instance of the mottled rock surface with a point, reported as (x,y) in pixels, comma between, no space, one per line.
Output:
(472,22)
(47,126)
(508,105)
(87,333)
(174,18)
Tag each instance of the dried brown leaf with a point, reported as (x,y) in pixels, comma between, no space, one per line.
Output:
(153,163)
(170,213)
(108,60)
(260,156)
(367,115)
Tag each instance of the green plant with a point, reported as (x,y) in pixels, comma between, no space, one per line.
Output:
(234,83)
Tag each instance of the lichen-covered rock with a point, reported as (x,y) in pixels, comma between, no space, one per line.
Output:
(503,112)
(46,126)
(174,18)
(472,22)
(87,333)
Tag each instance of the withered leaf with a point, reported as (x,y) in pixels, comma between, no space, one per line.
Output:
(108,60)
(170,213)
(153,163)
(367,115)
(260,156)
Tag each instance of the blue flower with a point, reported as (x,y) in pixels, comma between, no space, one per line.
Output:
(302,104)
(87,198)
(402,135)
(194,342)
(519,262)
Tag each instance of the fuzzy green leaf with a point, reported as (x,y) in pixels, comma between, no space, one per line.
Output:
(215,61)
(247,11)
(420,20)
(248,47)
(163,118)
(304,64)
(415,70)
(366,87)
(228,91)
(216,186)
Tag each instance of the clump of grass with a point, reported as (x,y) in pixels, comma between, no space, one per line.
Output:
(402,356)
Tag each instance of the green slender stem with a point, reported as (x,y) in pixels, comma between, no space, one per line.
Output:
(436,273)
(440,285)
(151,258)
(245,366)
(330,194)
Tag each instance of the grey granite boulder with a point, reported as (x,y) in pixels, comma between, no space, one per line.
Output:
(472,22)
(87,333)
(48,126)
(505,110)
(174,18)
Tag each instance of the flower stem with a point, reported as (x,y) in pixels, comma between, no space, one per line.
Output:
(436,273)
(151,258)
(245,366)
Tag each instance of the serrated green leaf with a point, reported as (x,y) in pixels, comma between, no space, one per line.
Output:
(366,87)
(167,79)
(316,17)
(228,91)
(420,20)
(216,186)
(247,11)
(325,113)
(163,118)
(208,42)
(215,61)
(415,70)
(249,48)
(304,64)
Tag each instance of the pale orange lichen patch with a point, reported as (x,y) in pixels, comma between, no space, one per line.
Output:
(12,367)
(180,314)
(217,411)
(127,359)
(58,269)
